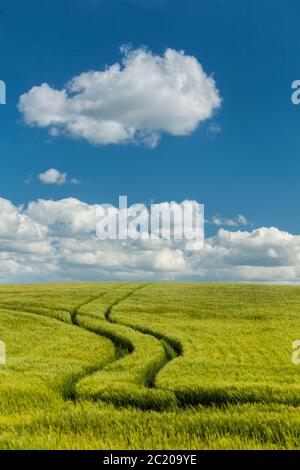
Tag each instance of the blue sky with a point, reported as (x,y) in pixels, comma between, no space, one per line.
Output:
(252,49)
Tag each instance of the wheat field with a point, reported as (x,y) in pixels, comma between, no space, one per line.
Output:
(149,366)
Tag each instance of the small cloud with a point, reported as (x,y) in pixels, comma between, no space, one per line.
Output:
(53,176)
(75,181)
(213,130)
(242,220)
(28,180)
(239,220)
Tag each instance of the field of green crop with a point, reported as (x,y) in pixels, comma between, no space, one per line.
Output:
(149,366)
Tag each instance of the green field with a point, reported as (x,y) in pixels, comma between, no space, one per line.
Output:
(149,366)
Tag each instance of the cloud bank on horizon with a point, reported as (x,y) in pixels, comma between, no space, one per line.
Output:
(55,240)
(137,101)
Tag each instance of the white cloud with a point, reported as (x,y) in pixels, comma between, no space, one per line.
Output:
(242,220)
(53,176)
(55,240)
(15,224)
(66,217)
(135,102)
(75,181)
(239,220)
(213,130)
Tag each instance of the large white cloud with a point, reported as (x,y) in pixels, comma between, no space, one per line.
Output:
(55,240)
(137,101)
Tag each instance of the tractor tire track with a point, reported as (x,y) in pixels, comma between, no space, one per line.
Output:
(172,349)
